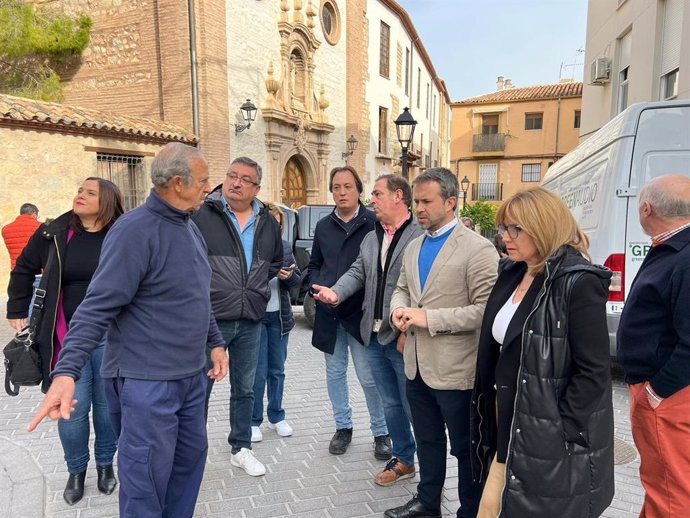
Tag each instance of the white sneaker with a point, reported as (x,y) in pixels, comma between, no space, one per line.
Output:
(282,428)
(257,436)
(245,459)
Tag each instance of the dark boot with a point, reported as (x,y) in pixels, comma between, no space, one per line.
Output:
(106,479)
(74,490)
(383,449)
(340,441)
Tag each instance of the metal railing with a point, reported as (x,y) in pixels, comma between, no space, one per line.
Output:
(491,142)
(487,191)
(127,172)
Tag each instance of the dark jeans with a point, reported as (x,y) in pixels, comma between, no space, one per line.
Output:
(432,411)
(242,343)
(388,369)
(162,445)
(74,432)
(270,370)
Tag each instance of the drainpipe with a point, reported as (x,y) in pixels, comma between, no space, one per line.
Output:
(558,125)
(195,79)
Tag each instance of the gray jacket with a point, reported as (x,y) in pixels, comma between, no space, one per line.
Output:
(364,273)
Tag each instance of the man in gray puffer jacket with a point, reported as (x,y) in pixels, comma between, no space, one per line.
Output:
(245,251)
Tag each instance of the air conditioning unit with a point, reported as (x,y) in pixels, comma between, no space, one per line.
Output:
(600,71)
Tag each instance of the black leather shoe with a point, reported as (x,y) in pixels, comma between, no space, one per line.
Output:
(383,449)
(74,490)
(340,441)
(106,479)
(412,509)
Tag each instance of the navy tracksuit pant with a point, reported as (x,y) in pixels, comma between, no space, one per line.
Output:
(162,444)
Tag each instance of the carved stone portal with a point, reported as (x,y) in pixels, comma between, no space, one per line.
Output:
(297,127)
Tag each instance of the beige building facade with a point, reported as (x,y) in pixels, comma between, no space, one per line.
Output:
(313,69)
(399,73)
(505,141)
(636,50)
(48,149)
(290,61)
(138,63)
(273,54)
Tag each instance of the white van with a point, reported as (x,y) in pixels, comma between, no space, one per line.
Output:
(600,180)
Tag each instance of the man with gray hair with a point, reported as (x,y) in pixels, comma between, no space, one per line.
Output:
(150,293)
(445,280)
(245,250)
(653,347)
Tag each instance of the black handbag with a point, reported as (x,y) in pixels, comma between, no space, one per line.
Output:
(22,359)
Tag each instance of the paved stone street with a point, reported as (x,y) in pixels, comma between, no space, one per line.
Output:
(303,479)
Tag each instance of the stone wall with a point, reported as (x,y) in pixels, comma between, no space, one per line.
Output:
(138,63)
(46,168)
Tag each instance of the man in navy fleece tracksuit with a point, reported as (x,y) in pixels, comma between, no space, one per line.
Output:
(151,294)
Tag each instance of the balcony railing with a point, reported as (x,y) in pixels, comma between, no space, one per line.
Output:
(487,191)
(487,143)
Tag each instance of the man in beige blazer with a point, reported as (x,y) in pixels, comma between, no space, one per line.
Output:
(445,281)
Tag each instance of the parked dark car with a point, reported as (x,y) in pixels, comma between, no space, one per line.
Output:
(299,231)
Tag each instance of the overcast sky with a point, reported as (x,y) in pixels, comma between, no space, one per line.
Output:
(471,42)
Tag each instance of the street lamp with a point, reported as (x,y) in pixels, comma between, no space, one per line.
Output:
(464,185)
(351,147)
(404,126)
(248,115)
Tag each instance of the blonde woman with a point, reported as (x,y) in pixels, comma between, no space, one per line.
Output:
(542,412)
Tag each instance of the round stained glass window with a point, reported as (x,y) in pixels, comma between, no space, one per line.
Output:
(330,21)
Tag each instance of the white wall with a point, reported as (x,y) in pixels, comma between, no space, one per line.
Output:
(607,21)
(380,90)
(254,42)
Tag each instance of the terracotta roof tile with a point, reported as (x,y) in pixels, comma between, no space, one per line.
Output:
(44,113)
(528,93)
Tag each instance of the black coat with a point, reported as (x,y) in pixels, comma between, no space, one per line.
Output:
(333,252)
(235,292)
(560,450)
(44,251)
(287,319)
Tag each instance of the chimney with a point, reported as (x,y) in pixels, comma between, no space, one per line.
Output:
(499,83)
(508,84)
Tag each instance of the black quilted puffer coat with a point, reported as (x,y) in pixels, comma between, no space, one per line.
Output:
(559,454)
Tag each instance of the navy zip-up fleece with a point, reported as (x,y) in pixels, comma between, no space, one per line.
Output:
(654,329)
(151,293)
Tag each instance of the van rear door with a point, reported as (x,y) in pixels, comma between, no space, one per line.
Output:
(662,146)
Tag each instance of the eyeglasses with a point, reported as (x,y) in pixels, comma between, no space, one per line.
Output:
(244,180)
(512,230)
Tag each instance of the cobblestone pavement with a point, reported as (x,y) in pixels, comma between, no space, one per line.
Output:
(302,478)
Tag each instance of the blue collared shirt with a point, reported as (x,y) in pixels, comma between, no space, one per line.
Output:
(247,233)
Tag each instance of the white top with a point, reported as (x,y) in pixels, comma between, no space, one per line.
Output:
(274,301)
(503,318)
